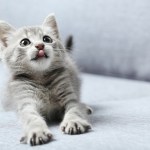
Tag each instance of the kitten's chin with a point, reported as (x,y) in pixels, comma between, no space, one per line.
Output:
(40,64)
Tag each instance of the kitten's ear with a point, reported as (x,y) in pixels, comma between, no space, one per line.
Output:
(50,21)
(5,31)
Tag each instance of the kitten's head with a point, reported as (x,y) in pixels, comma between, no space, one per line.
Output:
(33,48)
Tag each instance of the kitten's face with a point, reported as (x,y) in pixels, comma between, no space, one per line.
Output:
(33,47)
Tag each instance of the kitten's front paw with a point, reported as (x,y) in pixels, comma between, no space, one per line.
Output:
(75,126)
(37,137)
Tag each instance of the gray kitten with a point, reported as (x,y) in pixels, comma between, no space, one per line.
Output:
(44,83)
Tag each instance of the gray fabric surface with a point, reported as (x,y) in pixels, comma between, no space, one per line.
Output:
(121,119)
(111,36)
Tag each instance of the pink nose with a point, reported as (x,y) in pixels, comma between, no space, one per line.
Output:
(40,46)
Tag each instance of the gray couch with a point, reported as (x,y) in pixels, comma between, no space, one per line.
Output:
(111,38)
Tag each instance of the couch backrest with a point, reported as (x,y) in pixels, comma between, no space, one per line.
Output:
(112,37)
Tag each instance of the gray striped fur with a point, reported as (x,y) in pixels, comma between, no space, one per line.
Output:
(44,89)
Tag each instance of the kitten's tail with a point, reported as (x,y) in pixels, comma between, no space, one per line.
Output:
(69,43)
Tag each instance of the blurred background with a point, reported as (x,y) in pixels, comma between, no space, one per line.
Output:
(111,37)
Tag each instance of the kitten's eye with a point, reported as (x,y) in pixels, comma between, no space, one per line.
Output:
(25,42)
(47,39)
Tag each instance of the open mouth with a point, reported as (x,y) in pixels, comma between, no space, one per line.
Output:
(40,55)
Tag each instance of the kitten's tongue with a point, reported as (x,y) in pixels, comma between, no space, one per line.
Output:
(41,53)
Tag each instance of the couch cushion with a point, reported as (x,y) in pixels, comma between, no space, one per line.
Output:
(120,119)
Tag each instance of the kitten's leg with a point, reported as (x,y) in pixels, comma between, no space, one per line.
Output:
(35,127)
(75,119)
